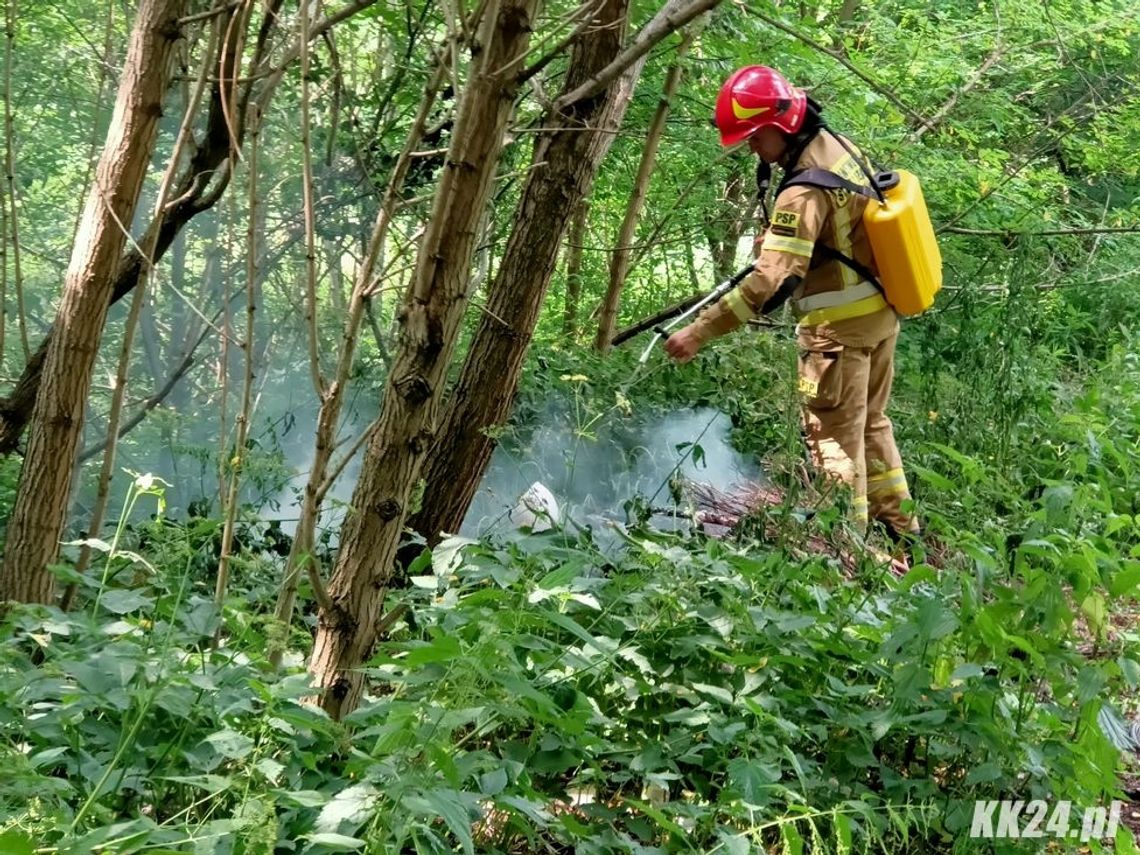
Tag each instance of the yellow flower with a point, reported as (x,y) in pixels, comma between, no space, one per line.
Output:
(575,378)
(623,404)
(932,415)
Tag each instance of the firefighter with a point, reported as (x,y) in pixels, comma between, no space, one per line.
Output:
(846,331)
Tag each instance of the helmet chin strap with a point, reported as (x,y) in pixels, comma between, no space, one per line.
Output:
(763,181)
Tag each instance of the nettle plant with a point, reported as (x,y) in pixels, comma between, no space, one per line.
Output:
(677,694)
(688,695)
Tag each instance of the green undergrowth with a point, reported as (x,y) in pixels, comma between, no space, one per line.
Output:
(686,694)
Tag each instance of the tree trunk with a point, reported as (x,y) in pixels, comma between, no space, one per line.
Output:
(41,500)
(332,398)
(725,231)
(620,260)
(574,252)
(847,12)
(430,319)
(570,154)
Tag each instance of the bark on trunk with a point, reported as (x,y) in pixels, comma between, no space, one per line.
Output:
(570,154)
(430,319)
(620,260)
(41,500)
(574,253)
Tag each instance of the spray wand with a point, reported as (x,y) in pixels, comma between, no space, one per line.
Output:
(763,181)
(714,295)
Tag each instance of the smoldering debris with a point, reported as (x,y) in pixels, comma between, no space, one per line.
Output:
(591,476)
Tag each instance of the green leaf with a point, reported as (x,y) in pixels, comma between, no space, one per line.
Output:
(967,670)
(559,578)
(752,779)
(843,836)
(441,649)
(451,807)
(270,768)
(793,840)
(658,816)
(336,842)
(13,842)
(735,844)
(721,694)
(983,774)
(938,482)
(119,601)
(351,805)
(1094,608)
(446,556)
(231,744)
(935,621)
(1125,582)
(304,798)
(1130,668)
(210,783)
(494,782)
(568,623)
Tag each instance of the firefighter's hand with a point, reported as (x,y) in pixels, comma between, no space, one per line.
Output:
(683,344)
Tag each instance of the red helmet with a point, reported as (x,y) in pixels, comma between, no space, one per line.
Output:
(754,97)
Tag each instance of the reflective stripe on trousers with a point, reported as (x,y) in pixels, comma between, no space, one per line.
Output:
(850,438)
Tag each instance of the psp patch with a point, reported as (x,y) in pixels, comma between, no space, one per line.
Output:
(786,223)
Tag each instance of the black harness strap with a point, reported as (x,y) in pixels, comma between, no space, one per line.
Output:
(825,179)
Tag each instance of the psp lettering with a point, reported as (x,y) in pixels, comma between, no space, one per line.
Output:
(1034,819)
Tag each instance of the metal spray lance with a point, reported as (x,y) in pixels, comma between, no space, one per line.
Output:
(763,180)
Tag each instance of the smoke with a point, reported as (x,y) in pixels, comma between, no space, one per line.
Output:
(592,470)
(593,474)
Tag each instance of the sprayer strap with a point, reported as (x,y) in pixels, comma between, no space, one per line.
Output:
(825,179)
(863,270)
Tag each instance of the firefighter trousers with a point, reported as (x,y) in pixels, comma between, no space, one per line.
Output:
(844,391)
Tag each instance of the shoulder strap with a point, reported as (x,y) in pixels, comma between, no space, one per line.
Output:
(825,179)
(835,255)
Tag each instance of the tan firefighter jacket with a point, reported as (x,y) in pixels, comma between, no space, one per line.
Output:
(832,301)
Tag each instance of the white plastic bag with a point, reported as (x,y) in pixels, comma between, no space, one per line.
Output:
(537,509)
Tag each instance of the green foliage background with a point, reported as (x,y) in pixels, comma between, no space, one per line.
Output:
(687,695)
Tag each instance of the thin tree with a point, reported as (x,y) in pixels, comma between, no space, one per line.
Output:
(430,319)
(42,496)
(574,252)
(307,206)
(118,394)
(249,357)
(332,396)
(728,221)
(578,135)
(10,176)
(620,258)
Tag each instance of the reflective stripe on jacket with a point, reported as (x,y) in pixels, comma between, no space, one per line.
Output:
(830,293)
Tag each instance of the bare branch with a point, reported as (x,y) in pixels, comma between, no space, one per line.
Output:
(975,78)
(670,18)
(586,11)
(223,9)
(915,116)
(1005,233)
